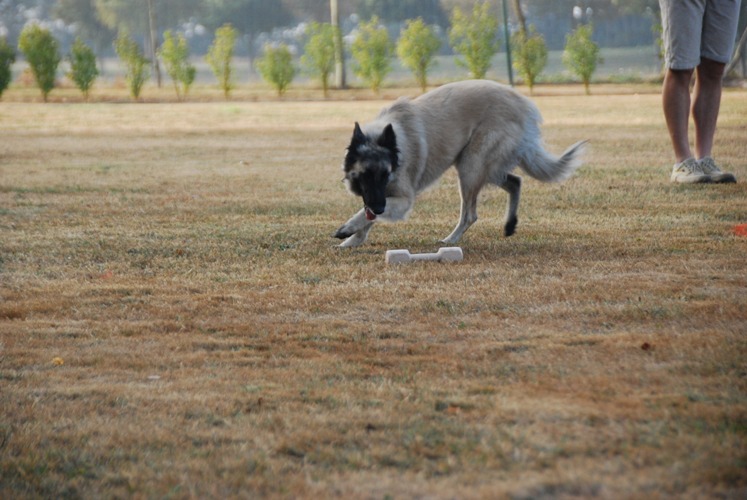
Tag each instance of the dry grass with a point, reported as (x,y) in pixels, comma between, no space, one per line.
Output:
(176,322)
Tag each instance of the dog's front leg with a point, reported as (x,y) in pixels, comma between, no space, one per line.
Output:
(397,208)
(355,230)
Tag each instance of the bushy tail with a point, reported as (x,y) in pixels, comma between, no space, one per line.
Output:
(546,167)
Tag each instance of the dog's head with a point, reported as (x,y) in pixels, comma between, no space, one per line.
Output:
(369,165)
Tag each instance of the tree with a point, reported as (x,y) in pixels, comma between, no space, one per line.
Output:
(276,66)
(319,53)
(43,55)
(637,6)
(88,25)
(399,10)
(372,52)
(83,70)
(738,54)
(175,54)
(581,54)
(334,14)
(139,18)
(133,15)
(135,62)
(248,17)
(474,36)
(219,56)
(530,55)
(417,47)
(7,58)
(520,17)
(153,36)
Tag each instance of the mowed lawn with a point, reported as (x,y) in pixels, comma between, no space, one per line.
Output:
(176,321)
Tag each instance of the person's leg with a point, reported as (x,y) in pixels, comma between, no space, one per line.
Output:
(705,104)
(681,31)
(717,42)
(676,103)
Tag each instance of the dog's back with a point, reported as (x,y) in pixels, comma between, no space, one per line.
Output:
(459,123)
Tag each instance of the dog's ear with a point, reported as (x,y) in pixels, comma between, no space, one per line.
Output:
(358,137)
(387,139)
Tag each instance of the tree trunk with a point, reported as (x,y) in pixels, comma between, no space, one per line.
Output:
(339,52)
(737,57)
(154,42)
(249,37)
(516,4)
(509,63)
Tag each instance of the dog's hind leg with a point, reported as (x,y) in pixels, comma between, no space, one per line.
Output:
(512,185)
(469,188)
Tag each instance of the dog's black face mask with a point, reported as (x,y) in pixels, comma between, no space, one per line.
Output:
(369,165)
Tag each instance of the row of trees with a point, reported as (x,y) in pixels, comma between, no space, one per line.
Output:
(473,35)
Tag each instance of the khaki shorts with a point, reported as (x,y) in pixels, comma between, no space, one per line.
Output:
(695,29)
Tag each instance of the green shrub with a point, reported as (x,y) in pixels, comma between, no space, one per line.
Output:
(43,55)
(417,48)
(7,58)
(219,56)
(136,65)
(475,37)
(276,67)
(175,54)
(83,70)
(530,55)
(318,59)
(372,51)
(581,54)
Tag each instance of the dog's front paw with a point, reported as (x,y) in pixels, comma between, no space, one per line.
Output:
(343,232)
(353,241)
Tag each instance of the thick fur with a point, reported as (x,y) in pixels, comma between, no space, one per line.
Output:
(484,129)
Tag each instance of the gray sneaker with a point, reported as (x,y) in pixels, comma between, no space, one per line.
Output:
(709,167)
(689,172)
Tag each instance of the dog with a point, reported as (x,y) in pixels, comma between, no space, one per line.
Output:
(482,128)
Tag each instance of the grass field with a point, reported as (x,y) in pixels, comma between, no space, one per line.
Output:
(176,321)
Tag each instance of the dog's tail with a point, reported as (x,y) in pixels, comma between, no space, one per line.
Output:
(545,167)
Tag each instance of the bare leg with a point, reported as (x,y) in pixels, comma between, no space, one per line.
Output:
(676,102)
(706,103)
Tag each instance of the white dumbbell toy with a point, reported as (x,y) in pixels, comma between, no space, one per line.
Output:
(445,254)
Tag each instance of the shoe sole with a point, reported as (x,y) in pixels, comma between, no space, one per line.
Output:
(704,179)
(725,178)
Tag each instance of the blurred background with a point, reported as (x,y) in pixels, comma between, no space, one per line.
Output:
(627,31)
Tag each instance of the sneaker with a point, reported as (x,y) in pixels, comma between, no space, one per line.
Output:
(689,172)
(709,167)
